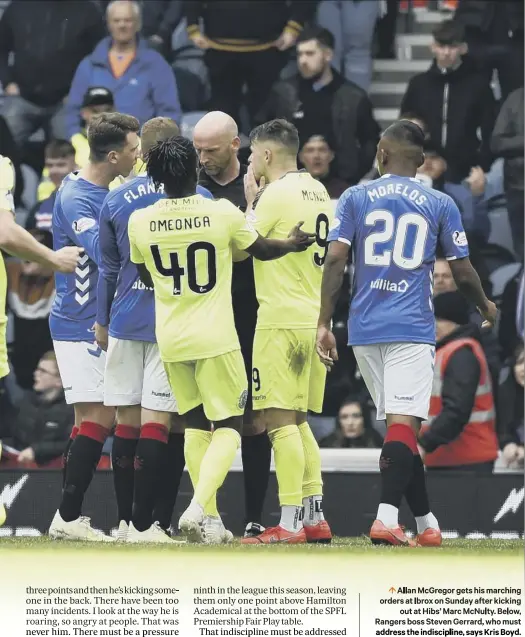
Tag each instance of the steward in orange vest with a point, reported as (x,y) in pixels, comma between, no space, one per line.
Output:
(460,431)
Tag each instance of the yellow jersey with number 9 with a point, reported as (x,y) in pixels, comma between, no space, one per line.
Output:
(289,289)
(186,245)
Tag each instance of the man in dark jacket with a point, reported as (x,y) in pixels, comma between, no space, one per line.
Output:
(461,432)
(455,100)
(41,424)
(320,102)
(508,142)
(494,34)
(48,38)
(245,44)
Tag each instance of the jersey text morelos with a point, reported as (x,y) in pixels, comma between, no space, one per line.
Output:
(123,301)
(75,222)
(289,289)
(394,225)
(186,245)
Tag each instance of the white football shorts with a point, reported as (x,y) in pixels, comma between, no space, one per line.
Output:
(398,376)
(135,375)
(81,367)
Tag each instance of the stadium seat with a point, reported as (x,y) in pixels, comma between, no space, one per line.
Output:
(500,277)
(500,232)
(31,180)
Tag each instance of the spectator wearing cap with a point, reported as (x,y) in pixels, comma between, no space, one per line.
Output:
(140,79)
(59,162)
(317,156)
(319,101)
(30,296)
(96,100)
(41,44)
(454,100)
(460,432)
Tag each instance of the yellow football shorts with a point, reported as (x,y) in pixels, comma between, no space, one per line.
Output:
(219,384)
(287,372)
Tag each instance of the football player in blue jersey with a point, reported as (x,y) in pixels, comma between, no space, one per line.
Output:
(114,146)
(393,225)
(148,444)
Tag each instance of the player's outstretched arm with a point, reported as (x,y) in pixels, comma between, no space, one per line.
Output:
(19,243)
(268,249)
(468,283)
(144,275)
(334,268)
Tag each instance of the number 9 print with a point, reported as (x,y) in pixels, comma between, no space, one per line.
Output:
(321,238)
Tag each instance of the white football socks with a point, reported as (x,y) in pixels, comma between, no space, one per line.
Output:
(313,510)
(291,518)
(388,515)
(428,521)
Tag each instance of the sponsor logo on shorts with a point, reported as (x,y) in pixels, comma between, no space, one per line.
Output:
(160,394)
(243,399)
(95,352)
(389,286)
(68,388)
(404,398)
(259,397)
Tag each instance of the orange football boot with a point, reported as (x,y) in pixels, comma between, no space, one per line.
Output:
(381,534)
(276,535)
(319,533)
(429,537)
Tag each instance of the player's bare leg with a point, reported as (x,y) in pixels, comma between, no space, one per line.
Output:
(96,421)
(200,522)
(125,441)
(171,473)
(256,458)
(149,458)
(397,463)
(315,526)
(289,466)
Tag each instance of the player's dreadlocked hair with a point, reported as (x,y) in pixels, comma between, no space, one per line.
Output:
(173,163)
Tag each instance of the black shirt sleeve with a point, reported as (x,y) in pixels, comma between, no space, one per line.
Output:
(458,394)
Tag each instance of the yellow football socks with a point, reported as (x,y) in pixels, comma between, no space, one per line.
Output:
(216,463)
(196,443)
(312,480)
(289,464)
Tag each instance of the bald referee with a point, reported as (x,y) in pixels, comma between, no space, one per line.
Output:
(216,139)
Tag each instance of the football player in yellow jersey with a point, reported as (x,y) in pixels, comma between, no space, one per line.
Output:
(18,242)
(288,377)
(183,248)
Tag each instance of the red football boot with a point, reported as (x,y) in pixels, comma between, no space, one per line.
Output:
(319,533)
(381,534)
(277,535)
(429,537)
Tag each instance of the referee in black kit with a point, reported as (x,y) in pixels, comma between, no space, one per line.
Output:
(216,139)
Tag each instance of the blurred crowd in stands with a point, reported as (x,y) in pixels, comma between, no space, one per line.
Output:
(62,62)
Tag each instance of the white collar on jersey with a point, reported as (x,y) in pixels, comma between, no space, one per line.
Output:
(386,175)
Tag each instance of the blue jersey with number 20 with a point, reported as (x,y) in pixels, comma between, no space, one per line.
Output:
(393,225)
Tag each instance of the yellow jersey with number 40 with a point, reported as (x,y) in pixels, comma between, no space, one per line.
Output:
(186,245)
(289,289)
